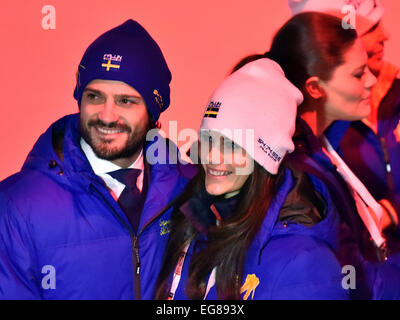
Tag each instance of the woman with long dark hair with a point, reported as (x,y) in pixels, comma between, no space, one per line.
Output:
(247,226)
(329,65)
(370,146)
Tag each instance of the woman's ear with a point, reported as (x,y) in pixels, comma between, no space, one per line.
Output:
(314,88)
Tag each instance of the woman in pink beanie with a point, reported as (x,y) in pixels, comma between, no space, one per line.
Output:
(247,226)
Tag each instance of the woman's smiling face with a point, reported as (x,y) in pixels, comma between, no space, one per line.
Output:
(223,162)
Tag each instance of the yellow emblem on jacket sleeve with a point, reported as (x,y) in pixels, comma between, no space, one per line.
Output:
(250,286)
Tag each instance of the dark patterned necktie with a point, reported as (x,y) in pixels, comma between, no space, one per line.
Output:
(131,199)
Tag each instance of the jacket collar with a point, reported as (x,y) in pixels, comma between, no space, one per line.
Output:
(198,209)
(334,133)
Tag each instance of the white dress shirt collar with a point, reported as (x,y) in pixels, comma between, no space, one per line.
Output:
(101,168)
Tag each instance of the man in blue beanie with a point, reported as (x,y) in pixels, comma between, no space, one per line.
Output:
(84,217)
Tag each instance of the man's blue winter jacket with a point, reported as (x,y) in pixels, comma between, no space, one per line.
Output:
(62,234)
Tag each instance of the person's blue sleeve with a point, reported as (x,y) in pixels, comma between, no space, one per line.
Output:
(18,271)
(384,277)
(312,273)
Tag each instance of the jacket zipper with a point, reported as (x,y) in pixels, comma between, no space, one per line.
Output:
(135,246)
(134,241)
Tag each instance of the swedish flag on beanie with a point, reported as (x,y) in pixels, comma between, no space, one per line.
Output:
(256,97)
(129,54)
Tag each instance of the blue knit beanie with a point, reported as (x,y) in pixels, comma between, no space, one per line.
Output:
(129,54)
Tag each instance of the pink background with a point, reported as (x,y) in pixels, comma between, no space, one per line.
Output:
(201,41)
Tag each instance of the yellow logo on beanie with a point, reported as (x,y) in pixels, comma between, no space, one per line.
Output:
(212,109)
(158,99)
(116,62)
(250,286)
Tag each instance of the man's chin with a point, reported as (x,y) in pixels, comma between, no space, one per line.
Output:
(107,153)
(110,153)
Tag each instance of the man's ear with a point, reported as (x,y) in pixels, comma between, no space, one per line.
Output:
(314,88)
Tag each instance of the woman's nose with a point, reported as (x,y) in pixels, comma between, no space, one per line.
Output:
(215,154)
(385,33)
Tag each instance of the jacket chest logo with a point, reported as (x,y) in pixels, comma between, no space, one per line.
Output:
(165,227)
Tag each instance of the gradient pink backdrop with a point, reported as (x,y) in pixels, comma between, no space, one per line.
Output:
(201,41)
